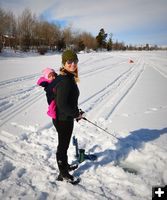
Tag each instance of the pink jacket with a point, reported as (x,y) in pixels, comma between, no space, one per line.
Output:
(52,110)
(52,106)
(43,79)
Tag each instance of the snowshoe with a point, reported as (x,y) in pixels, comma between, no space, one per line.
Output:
(69,178)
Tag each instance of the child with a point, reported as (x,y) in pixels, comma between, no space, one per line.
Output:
(48,76)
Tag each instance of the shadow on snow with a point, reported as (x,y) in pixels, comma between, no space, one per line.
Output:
(135,141)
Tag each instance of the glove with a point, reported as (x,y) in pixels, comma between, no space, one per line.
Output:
(80,116)
(81,112)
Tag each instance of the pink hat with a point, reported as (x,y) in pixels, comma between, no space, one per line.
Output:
(47,71)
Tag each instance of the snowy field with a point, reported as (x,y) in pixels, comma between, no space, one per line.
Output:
(129,100)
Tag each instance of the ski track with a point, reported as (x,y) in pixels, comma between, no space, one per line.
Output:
(114,92)
(99,69)
(19,95)
(99,94)
(154,63)
(18,107)
(159,70)
(123,90)
(19,79)
(28,95)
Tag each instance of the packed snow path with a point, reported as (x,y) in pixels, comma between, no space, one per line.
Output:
(127,99)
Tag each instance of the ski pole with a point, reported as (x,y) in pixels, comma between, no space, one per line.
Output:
(100,128)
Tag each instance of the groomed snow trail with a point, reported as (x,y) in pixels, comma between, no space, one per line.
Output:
(110,90)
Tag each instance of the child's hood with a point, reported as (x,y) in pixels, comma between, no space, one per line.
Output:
(47,71)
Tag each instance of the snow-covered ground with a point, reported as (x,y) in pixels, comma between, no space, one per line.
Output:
(129,100)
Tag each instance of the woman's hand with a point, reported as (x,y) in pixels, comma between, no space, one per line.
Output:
(80,116)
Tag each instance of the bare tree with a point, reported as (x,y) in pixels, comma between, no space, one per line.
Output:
(68,36)
(2,27)
(89,41)
(26,24)
(7,29)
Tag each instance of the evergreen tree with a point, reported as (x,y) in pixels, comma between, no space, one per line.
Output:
(101,39)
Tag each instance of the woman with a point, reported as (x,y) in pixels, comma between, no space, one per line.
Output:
(66,98)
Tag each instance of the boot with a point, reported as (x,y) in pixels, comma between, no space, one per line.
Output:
(68,178)
(64,174)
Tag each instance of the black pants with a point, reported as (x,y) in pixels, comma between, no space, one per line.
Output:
(64,129)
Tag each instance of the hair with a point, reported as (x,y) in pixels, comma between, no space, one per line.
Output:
(62,72)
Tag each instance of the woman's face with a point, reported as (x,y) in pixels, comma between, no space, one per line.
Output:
(71,65)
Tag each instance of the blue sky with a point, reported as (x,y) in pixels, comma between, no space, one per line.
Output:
(130,21)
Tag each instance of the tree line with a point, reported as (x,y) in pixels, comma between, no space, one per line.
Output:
(28,32)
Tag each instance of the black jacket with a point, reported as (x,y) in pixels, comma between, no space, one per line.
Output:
(66,97)
(49,92)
